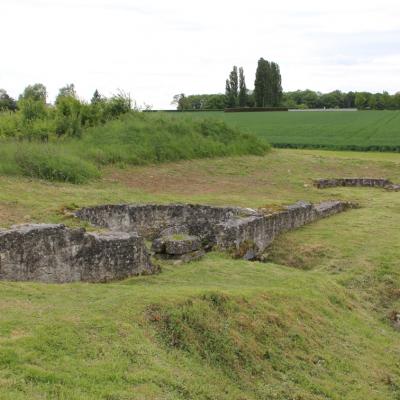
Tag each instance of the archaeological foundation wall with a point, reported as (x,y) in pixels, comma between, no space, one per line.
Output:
(226,228)
(55,254)
(356,182)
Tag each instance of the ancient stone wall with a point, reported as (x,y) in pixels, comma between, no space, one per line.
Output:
(354,182)
(56,254)
(149,220)
(227,228)
(256,232)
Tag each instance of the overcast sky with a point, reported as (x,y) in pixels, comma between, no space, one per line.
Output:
(155,49)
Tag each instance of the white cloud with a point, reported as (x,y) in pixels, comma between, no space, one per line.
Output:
(156,49)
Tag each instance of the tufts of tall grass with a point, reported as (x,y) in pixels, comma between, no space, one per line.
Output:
(134,139)
(45,161)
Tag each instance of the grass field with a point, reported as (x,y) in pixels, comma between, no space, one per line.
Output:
(310,324)
(361,130)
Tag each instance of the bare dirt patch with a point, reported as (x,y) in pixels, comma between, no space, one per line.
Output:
(11,213)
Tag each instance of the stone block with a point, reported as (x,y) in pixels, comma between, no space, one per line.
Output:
(53,253)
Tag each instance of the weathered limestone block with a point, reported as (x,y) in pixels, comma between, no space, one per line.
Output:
(178,247)
(394,187)
(352,182)
(183,245)
(56,254)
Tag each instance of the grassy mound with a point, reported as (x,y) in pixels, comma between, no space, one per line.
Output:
(135,139)
(147,138)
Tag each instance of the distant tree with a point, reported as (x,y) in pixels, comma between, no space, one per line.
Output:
(349,100)
(31,109)
(262,84)
(7,103)
(68,116)
(276,85)
(242,89)
(96,98)
(234,82)
(250,101)
(309,98)
(386,101)
(180,101)
(199,101)
(396,100)
(232,88)
(67,91)
(36,92)
(361,100)
(120,103)
(230,99)
(32,103)
(332,99)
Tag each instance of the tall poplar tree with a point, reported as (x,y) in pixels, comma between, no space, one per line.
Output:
(276,85)
(231,88)
(242,89)
(234,81)
(261,89)
(268,84)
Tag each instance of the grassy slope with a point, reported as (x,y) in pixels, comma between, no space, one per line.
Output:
(330,129)
(133,139)
(218,328)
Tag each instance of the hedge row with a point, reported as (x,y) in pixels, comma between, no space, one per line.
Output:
(255,109)
(349,147)
(200,110)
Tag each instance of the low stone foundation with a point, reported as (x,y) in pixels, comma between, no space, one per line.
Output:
(249,236)
(56,254)
(225,228)
(354,182)
(156,220)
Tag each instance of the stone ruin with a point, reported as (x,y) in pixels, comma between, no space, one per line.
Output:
(55,253)
(180,247)
(180,232)
(355,182)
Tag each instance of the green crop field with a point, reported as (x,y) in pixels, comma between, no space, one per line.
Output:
(311,323)
(361,130)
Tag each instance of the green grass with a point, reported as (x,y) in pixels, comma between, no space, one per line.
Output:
(362,130)
(134,139)
(313,329)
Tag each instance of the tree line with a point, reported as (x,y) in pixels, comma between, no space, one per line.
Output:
(32,117)
(267,91)
(301,99)
(309,99)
